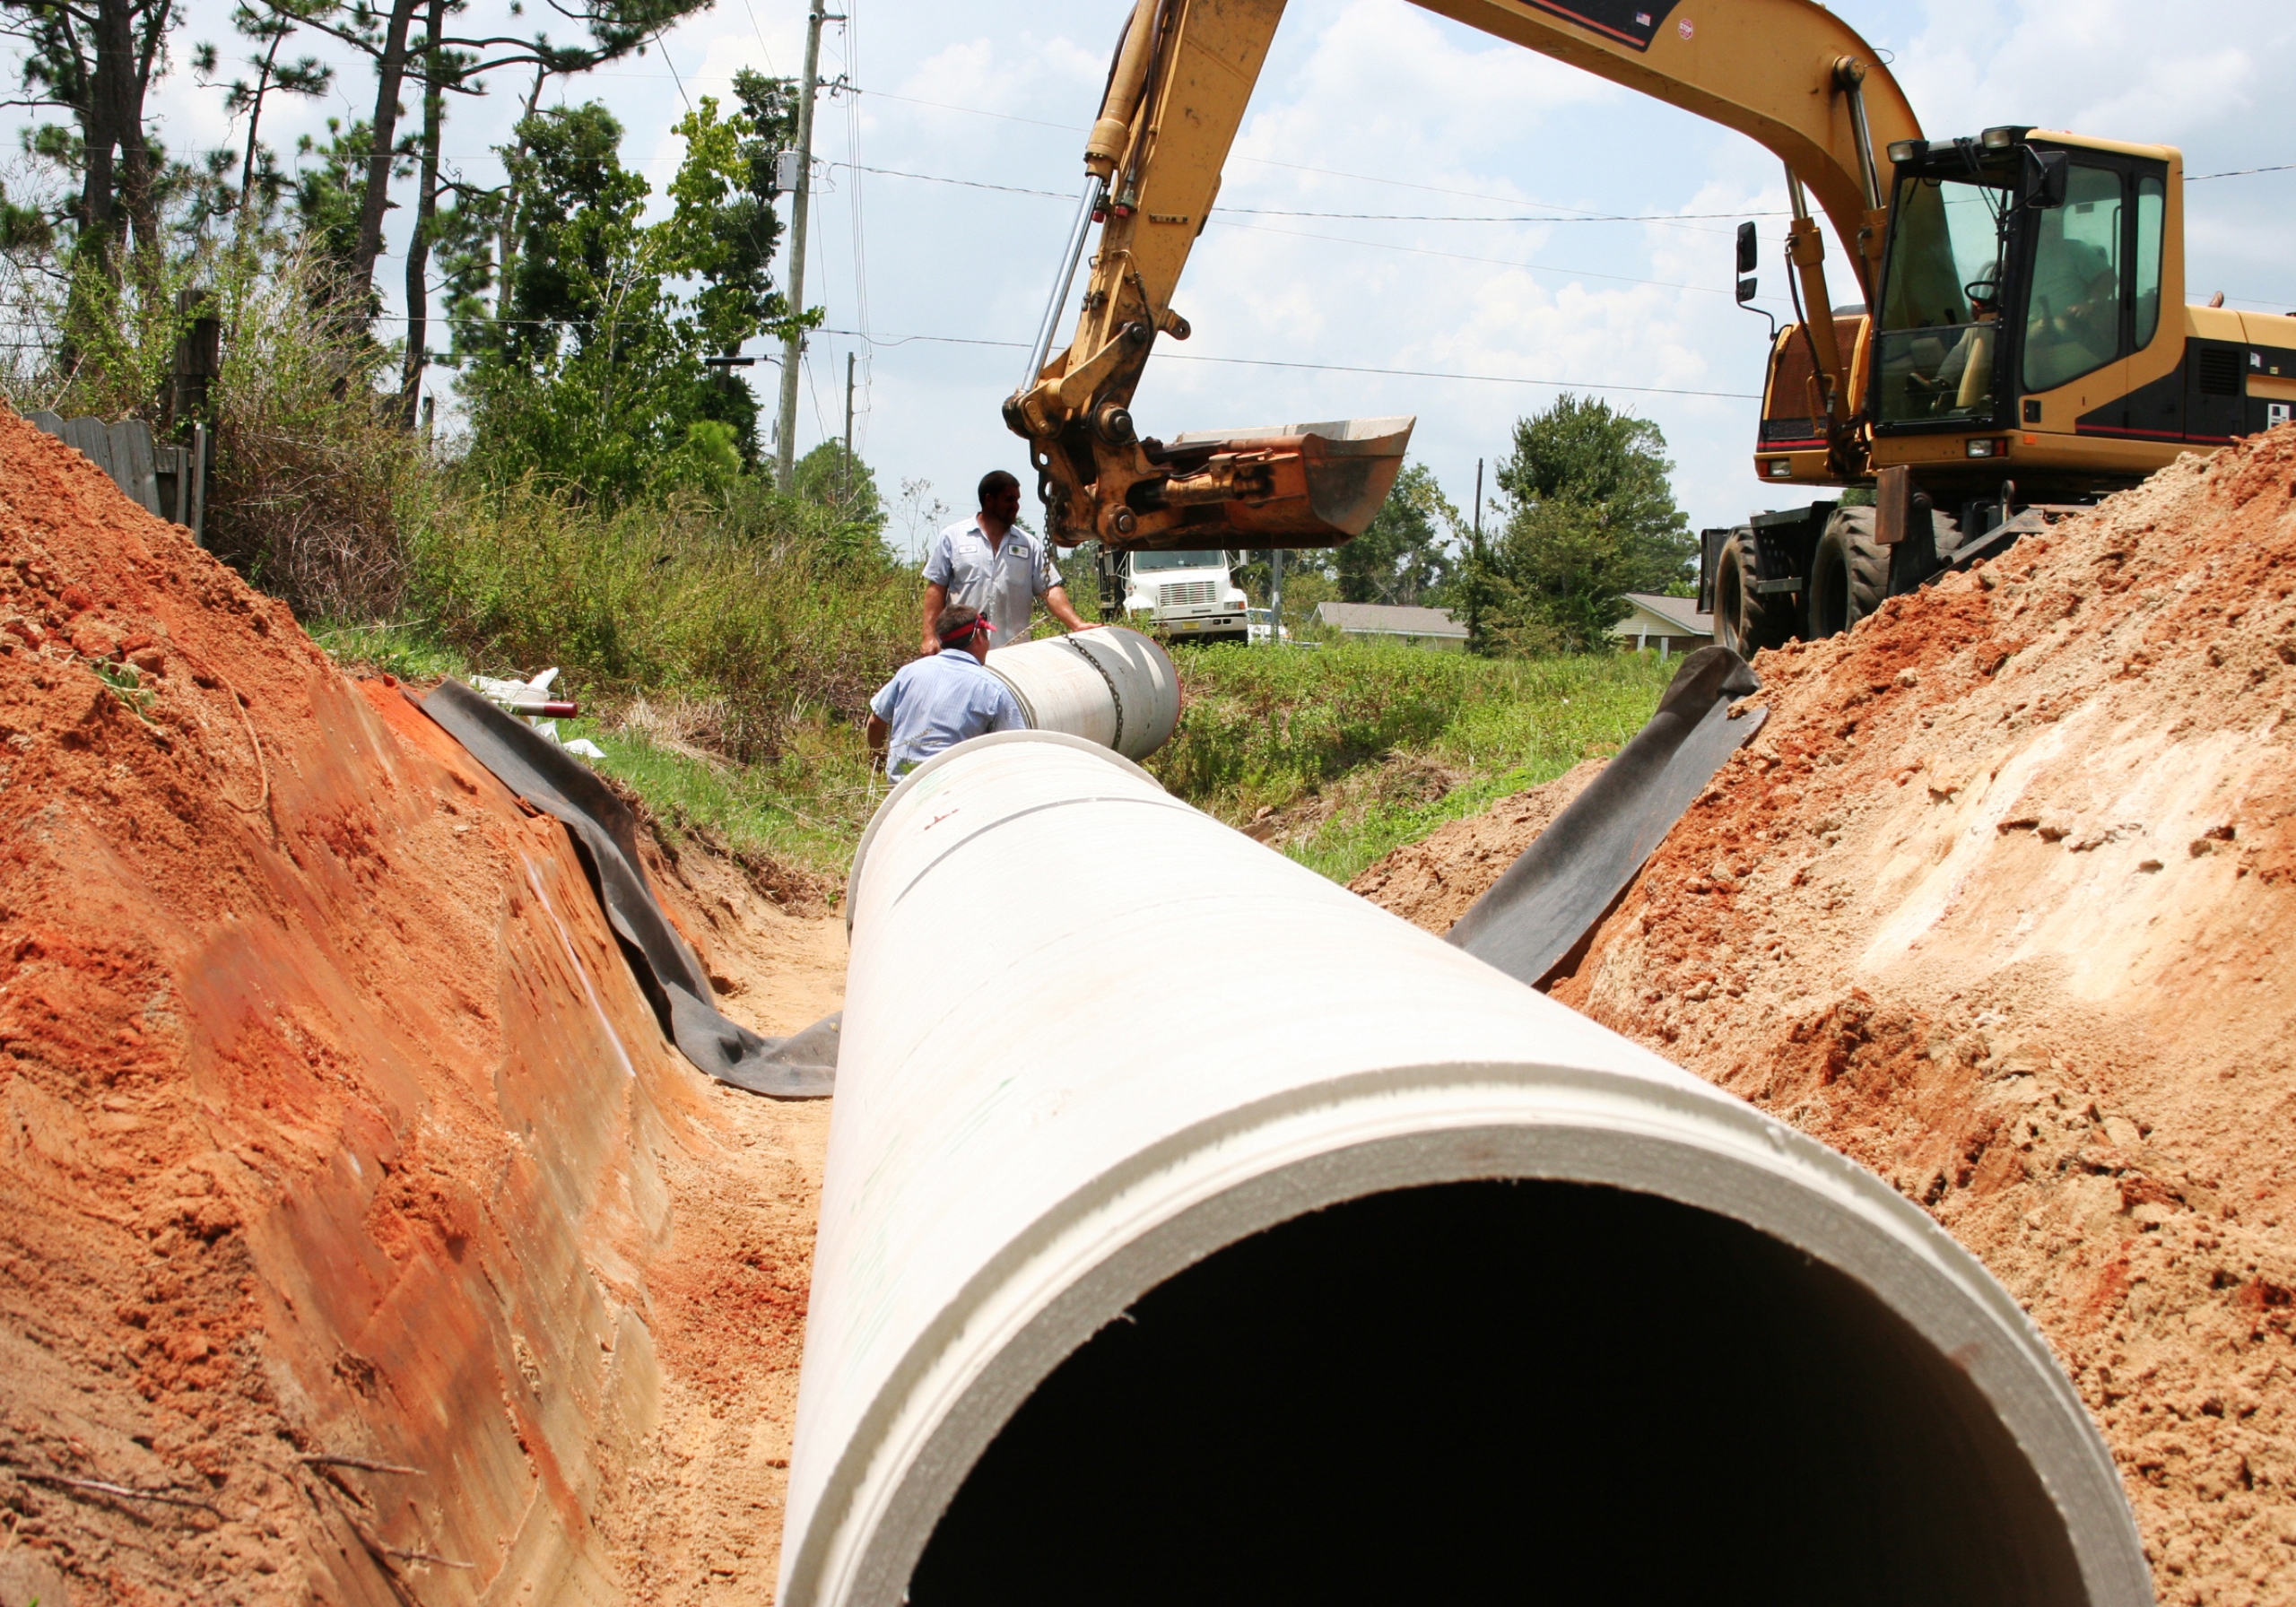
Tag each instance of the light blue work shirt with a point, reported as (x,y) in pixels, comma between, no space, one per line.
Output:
(937,702)
(1004,583)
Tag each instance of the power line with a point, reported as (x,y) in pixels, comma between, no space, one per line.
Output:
(673,66)
(1218,217)
(1385,217)
(1002,117)
(2286,167)
(1527,268)
(1437,217)
(1432,189)
(970,184)
(1334,367)
(764,48)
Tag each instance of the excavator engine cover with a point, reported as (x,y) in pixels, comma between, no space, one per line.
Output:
(1284,485)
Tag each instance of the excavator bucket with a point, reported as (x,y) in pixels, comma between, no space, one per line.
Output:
(1284,485)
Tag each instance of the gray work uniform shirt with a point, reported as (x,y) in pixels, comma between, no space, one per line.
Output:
(937,702)
(1003,584)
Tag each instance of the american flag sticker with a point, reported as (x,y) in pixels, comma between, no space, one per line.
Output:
(1629,22)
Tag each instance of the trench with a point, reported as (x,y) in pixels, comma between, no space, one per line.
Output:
(1481,1390)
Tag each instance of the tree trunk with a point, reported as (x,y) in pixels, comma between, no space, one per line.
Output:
(390,70)
(111,106)
(426,208)
(506,253)
(255,122)
(139,187)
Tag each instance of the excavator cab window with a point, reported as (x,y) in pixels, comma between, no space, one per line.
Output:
(1940,305)
(2073,322)
(2152,208)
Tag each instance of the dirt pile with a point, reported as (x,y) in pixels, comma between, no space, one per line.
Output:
(1999,902)
(362,1237)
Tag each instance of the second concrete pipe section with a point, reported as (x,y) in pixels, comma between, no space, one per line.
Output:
(1195,1230)
(1112,686)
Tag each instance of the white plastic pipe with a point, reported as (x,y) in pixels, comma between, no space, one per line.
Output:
(1138,1263)
(1112,686)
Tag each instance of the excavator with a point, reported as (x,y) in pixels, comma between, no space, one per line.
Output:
(2020,348)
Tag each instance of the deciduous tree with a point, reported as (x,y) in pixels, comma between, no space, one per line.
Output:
(1590,516)
(1405,557)
(593,370)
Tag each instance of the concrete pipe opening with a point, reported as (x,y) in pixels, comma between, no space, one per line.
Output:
(1193,1230)
(1489,1390)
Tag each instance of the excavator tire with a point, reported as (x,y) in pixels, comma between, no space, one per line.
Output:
(1849,574)
(1745,622)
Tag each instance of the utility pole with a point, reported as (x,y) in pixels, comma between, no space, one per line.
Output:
(792,350)
(848,431)
(1474,562)
(1275,596)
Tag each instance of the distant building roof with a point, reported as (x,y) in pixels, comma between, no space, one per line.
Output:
(1654,615)
(1383,619)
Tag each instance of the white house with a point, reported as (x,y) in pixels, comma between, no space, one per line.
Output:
(1670,624)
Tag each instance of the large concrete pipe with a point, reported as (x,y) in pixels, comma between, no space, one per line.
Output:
(1112,686)
(1195,1230)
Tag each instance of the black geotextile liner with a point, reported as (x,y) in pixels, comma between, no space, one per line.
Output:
(800,1067)
(1533,916)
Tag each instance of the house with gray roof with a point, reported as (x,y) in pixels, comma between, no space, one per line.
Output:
(1670,624)
(1416,626)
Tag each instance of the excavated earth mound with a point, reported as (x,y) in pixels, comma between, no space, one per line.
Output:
(362,1239)
(2002,902)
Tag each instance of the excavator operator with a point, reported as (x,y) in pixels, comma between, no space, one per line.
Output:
(1967,373)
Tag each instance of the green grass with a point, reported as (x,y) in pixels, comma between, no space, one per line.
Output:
(807,808)
(1370,727)
(410,650)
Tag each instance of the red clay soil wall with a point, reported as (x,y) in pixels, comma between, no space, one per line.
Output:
(2002,902)
(335,1122)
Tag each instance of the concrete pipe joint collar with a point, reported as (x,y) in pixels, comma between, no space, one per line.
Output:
(1196,1229)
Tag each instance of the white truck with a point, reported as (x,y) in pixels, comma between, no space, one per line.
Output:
(1183,596)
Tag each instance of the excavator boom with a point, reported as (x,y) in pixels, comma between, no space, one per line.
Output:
(1788,73)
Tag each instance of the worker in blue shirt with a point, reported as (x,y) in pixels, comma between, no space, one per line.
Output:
(938,701)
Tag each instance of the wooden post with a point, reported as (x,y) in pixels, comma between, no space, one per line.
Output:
(199,356)
(793,349)
(1474,565)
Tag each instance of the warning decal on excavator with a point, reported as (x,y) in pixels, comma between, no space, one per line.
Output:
(1628,21)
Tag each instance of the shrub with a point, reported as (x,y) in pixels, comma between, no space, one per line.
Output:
(309,463)
(773,610)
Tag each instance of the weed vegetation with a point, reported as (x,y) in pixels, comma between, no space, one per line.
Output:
(755,617)
(1341,753)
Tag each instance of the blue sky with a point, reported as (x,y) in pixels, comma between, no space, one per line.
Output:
(1370,106)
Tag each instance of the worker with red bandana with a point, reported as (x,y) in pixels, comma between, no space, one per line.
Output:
(946,698)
